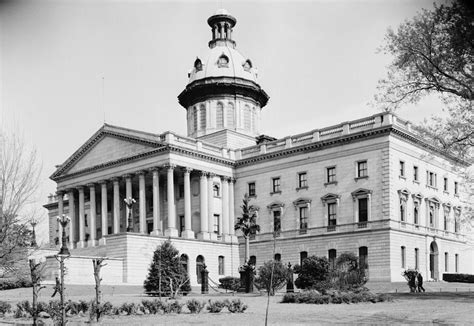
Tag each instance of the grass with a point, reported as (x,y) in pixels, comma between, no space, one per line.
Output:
(409,309)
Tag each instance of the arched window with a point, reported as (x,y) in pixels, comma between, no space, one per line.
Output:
(199,267)
(216,189)
(247,65)
(230,115)
(247,118)
(198,64)
(253,260)
(223,61)
(332,253)
(278,257)
(363,258)
(303,256)
(220,115)
(202,117)
(221,265)
(195,119)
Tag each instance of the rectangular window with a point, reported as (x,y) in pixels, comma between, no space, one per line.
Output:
(402,169)
(302,180)
(445,184)
(415,214)
(363,258)
(431,179)
(251,189)
(445,221)
(303,217)
(181,190)
(446,262)
(332,214)
(403,257)
(303,256)
(362,169)
(276,185)
(331,174)
(221,265)
(415,173)
(332,253)
(216,190)
(455,187)
(417,258)
(456,263)
(402,210)
(363,212)
(216,224)
(277,221)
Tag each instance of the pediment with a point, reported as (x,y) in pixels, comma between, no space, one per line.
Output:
(105,147)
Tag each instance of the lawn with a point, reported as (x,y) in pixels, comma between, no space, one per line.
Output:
(423,308)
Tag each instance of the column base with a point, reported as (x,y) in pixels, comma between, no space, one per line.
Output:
(91,243)
(81,244)
(203,236)
(187,234)
(171,232)
(156,232)
(213,236)
(102,241)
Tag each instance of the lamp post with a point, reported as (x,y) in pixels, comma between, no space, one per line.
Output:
(61,257)
(129,202)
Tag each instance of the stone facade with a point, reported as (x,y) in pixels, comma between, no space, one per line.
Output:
(370,186)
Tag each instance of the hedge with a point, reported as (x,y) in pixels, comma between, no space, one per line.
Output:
(461,278)
(14,283)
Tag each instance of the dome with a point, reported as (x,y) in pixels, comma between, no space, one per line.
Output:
(223,61)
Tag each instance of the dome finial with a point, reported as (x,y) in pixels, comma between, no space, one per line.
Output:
(222,23)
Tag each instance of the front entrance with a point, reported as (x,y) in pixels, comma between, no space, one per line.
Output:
(434,274)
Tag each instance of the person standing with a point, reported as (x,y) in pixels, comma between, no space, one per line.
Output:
(419,278)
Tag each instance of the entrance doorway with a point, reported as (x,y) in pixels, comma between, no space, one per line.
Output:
(199,267)
(434,274)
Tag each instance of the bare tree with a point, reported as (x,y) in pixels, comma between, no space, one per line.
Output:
(19,180)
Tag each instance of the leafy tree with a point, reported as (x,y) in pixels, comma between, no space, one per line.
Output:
(19,179)
(166,274)
(433,54)
(347,275)
(270,283)
(347,261)
(247,223)
(312,271)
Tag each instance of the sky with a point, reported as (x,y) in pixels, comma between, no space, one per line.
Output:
(66,67)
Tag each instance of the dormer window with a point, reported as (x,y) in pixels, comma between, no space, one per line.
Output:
(223,61)
(198,64)
(247,65)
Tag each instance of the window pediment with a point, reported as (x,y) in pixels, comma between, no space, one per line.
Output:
(276,205)
(302,202)
(361,193)
(417,196)
(330,197)
(433,199)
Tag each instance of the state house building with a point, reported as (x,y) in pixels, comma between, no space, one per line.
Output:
(370,186)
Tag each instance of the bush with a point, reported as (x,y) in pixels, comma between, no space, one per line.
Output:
(236,306)
(5,307)
(25,307)
(335,298)
(195,306)
(229,283)
(215,306)
(96,312)
(462,278)
(14,283)
(54,310)
(128,308)
(153,306)
(270,283)
(172,307)
(312,272)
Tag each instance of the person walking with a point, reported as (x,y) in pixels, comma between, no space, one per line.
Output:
(419,278)
(57,287)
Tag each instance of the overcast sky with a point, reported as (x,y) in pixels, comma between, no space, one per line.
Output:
(317,60)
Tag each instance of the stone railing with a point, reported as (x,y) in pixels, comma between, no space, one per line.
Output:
(342,129)
(357,227)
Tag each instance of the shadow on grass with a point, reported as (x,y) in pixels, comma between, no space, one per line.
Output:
(452,296)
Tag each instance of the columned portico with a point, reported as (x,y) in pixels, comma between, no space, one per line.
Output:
(72,216)
(116,205)
(128,195)
(188,232)
(231,210)
(171,230)
(60,195)
(225,209)
(156,203)
(104,211)
(142,200)
(204,234)
(210,206)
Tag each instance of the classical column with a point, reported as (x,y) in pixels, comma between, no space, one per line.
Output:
(188,232)
(142,201)
(156,202)
(72,216)
(93,216)
(104,212)
(210,205)
(225,208)
(116,205)
(128,194)
(60,195)
(171,230)
(231,210)
(81,217)
(204,234)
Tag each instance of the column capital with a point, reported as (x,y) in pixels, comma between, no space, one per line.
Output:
(141,172)
(187,169)
(68,190)
(203,174)
(127,176)
(232,180)
(90,185)
(115,179)
(155,169)
(102,182)
(80,188)
(60,192)
(170,166)
(211,175)
(225,178)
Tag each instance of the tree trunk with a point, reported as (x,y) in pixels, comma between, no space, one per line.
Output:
(247,249)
